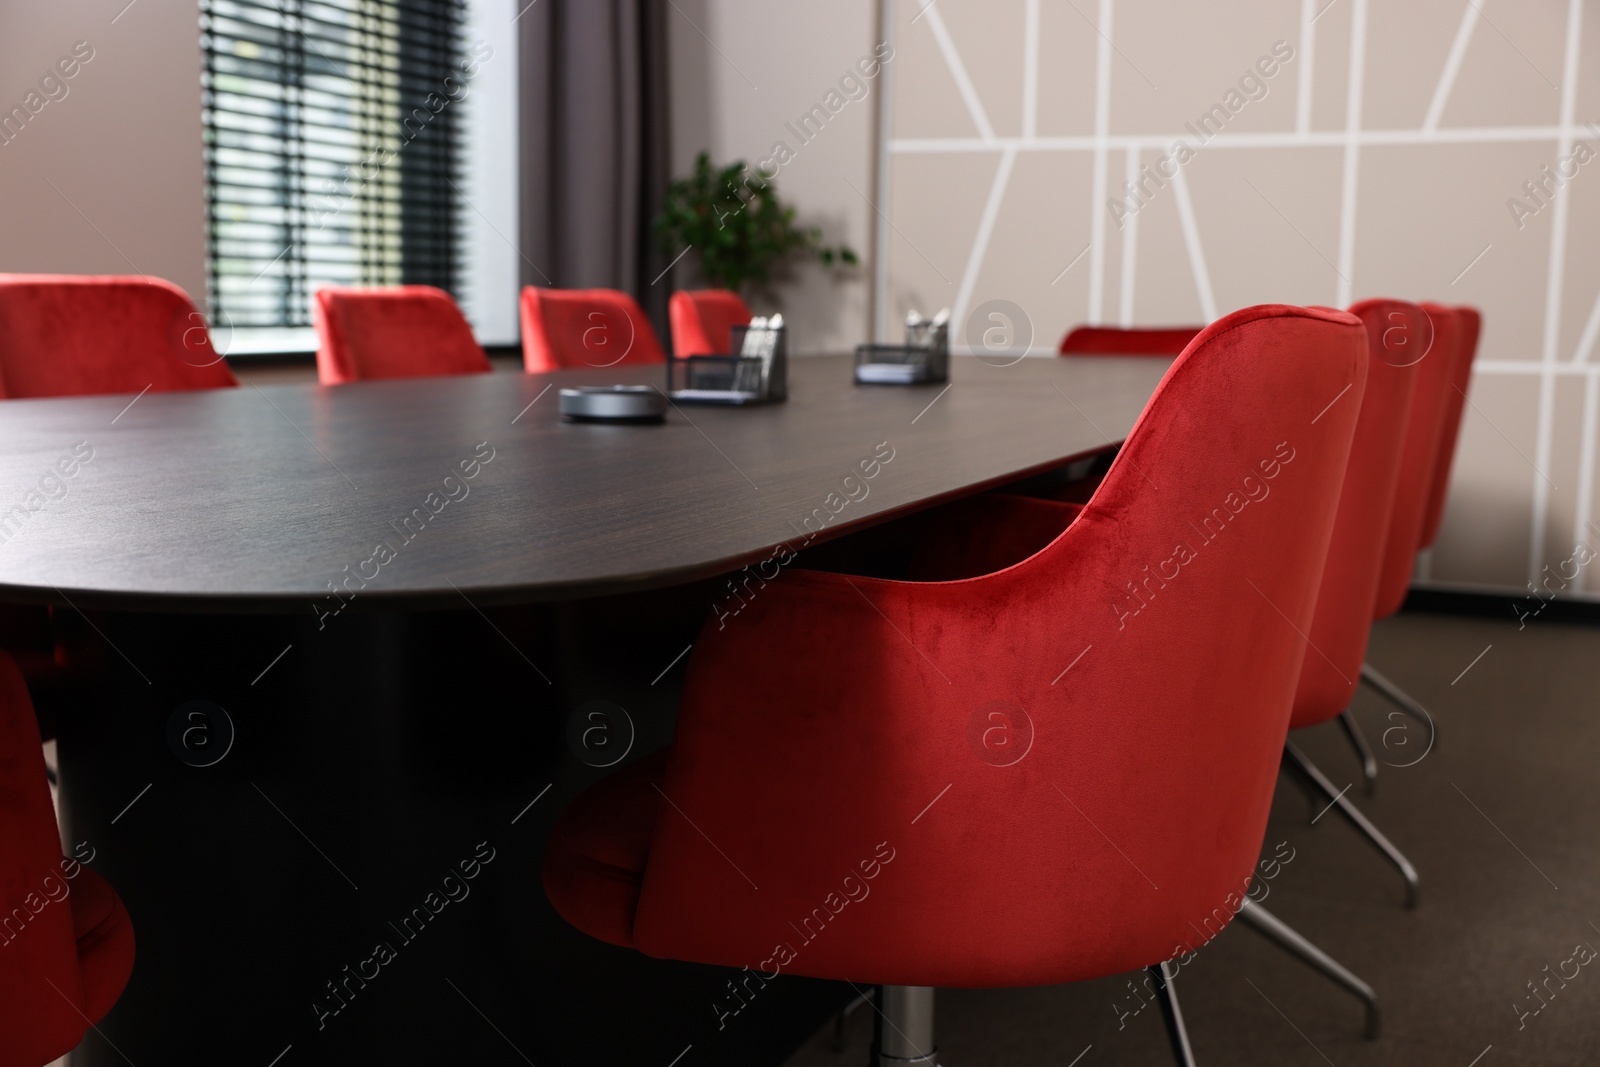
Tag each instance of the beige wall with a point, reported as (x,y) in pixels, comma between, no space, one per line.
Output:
(1010,123)
(1378,162)
(124,145)
(740,70)
(122,148)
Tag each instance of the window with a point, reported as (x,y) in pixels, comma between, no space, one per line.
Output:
(334,140)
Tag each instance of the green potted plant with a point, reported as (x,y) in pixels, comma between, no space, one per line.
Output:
(733,218)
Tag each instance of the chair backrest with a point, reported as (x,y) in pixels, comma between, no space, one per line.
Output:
(402,331)
(1114,341)
(71,335)
(564,328)
(1455,402)
(703,321)
(1343,619)
(1176,602)
(1419,456)
(38,945)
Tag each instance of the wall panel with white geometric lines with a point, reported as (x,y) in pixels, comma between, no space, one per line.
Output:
(1351,148)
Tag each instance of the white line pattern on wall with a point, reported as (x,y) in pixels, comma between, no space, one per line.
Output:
(1551,367)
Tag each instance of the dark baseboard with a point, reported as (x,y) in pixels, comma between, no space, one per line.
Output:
(264,359)
(1501,606)
(271,359)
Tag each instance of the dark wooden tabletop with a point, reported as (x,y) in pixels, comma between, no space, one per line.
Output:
(256,499)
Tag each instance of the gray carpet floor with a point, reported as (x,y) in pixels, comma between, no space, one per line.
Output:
(1502,818)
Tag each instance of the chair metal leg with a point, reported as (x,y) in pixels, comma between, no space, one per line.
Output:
(1295,762)
(1397,696)
(1369,762)
(843,1017)
(1276,930)
(1172,1014)
(903,1036)
(1316,801)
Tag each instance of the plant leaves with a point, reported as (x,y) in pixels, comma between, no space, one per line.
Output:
(733,219)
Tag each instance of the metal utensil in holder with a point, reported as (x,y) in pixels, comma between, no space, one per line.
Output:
(925,357)
(758,373)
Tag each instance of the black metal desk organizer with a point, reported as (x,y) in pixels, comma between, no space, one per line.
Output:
(925,356)
(757,374)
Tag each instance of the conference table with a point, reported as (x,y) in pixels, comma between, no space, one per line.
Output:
(357,640)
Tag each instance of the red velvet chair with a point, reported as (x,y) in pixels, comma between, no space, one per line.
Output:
(1447,344)
(564,328)
(1470,324)
(1113,341)
(833,767)
(402,331)
(1343,621)
(70,335)
(61,925)
(703,321)
(1356,555)
(1420,457)
(84,335)
(1424,462)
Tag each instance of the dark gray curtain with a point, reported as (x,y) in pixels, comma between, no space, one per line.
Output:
(594,151)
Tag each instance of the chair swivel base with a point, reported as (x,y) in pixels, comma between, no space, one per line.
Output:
(903,1033)
(903,1030)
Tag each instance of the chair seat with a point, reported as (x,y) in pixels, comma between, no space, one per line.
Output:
(594,863)
(105,942)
